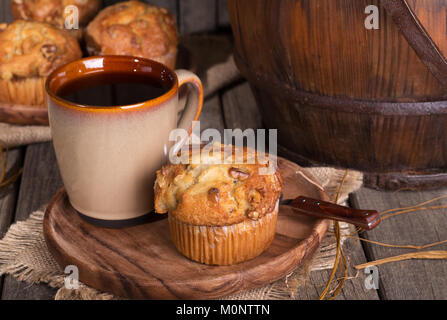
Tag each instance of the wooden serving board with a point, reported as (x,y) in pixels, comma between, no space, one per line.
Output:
(141,262)
(23,115)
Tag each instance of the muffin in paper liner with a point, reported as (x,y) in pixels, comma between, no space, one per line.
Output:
(222,203)
(30,51)
(224,245)
(26,91)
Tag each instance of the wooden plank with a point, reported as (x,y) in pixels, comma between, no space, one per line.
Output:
(40,181)
(241,111)
(8,194)
(211,116)
(353,289)
(5,11)
(19,290)
(414,279)
(197,16)
(223,19)
(110,2)
(240,108)
(170,5)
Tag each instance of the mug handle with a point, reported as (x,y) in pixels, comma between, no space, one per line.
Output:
(193,105)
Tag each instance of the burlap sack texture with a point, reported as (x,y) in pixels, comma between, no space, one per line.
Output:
(24,254)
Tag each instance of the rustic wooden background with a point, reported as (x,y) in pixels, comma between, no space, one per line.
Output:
(234,107)
(193,16)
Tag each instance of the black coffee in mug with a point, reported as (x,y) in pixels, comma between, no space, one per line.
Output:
(111,89)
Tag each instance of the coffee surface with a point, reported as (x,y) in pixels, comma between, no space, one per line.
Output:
(108,89)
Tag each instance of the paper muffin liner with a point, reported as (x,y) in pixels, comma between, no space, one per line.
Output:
(27,91)
(224,245)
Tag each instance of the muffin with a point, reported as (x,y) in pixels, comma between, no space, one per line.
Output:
(219,214)
(30,51)
(136,29)
(54,12)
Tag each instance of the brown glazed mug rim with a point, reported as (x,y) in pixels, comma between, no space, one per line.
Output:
(80,68)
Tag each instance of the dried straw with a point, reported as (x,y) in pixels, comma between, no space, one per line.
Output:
(338,253)
(405,246)
(431,255)
(384,215)
(5,182)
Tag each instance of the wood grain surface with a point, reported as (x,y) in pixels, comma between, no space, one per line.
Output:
(197,16)
(8,195)
(223,19)
(5,11)
(332,53)
(211,116)
(240,110)
(41,170)
(340,94)
(170,5)
(23,115)
(141,262)
(40,181)
(412,279)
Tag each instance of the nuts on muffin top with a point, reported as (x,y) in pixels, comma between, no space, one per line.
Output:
(33,49)
(133,28)
(215,194)
(53,11)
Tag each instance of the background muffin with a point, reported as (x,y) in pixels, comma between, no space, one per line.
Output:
(30,51)
(219,213)
(53,11)
(134,28)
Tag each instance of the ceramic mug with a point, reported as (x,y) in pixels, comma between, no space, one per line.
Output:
(108,156)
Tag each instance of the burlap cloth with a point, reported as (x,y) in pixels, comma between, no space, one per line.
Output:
(23,252)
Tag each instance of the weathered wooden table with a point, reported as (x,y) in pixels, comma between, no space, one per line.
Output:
(235,108)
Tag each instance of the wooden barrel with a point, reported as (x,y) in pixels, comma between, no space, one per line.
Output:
(344,95)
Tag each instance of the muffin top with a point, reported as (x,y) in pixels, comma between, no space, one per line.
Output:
(34,49)
(207,192)
(53,11)
(132,28)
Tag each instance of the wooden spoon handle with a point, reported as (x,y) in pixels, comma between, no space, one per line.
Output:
(366,219)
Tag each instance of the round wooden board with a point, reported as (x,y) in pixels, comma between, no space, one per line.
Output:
(32,115)
(23,115)
(141,262)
